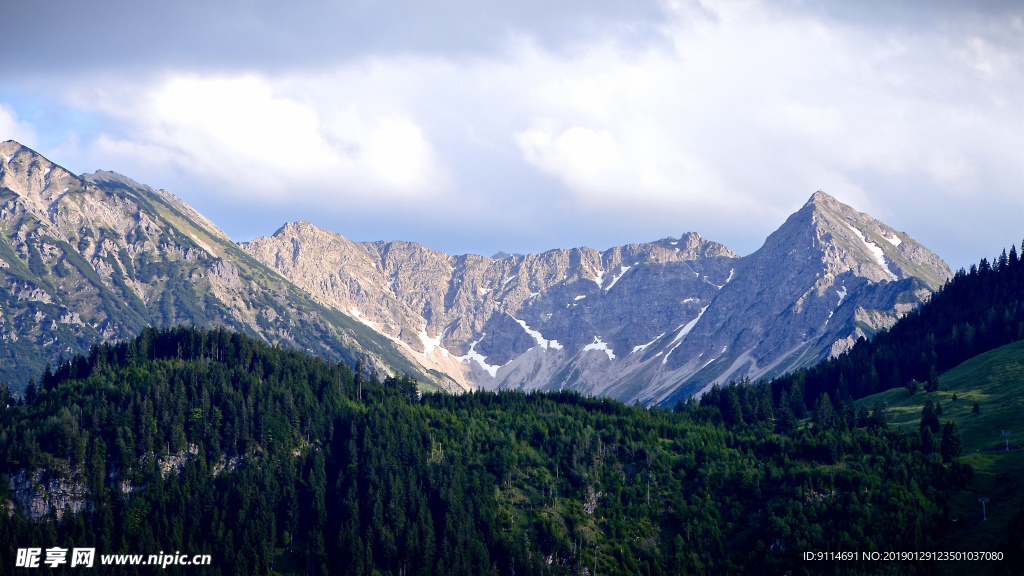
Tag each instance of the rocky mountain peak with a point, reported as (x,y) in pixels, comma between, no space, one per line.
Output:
(109,176)
(824,200)
(828,276)
(298,228)
(648,321)
(873,249)
(36,183)
(9,148)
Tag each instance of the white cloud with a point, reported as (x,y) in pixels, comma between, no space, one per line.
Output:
(242,132)
(722,120)
(11,128)
(755,100)
(607,170)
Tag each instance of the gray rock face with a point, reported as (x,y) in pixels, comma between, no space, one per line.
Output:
(647,322)
(38,495)
(55,491)
(827,277)
(101,257)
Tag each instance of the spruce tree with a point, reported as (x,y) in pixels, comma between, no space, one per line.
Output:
(30,392)
(952,447)
(824,414)
(878,415)
(933,380)
(733,412)
(929,419)
(927,440)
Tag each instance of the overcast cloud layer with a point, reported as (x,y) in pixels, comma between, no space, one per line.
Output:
(486,126)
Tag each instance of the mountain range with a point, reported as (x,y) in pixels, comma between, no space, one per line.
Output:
(643,322)
(100,257)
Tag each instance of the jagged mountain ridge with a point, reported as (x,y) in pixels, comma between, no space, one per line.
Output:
(646,322)
(100,257)
(484,309)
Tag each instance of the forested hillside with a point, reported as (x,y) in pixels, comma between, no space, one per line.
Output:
(270,460)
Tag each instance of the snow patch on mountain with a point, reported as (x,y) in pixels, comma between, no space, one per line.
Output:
(689,326)
(875,250)
(430,344)
(622,272)
(479,358)
(645,346)
(598,344)
(682,334)
(538,338)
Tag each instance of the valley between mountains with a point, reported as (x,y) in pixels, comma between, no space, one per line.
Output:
(100,257)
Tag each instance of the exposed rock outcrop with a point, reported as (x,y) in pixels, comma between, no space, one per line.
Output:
(38,494)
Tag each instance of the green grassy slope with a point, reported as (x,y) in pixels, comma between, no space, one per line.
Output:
(995,380)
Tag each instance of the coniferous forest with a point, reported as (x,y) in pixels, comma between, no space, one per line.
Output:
(270,460)
(294,463)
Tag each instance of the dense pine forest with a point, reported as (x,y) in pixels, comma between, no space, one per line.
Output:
(209,442)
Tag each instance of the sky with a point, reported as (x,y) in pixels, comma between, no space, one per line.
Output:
(477,126)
